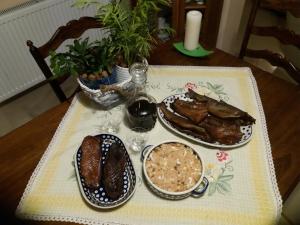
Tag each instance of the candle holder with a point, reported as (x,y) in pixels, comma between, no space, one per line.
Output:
(197,52)
(191,46)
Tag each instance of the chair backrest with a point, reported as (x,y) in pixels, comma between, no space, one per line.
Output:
(283,35)
(73,29)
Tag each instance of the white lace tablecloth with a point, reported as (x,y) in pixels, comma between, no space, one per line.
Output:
(242,190)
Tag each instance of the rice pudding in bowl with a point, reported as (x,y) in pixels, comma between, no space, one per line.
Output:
(173,169)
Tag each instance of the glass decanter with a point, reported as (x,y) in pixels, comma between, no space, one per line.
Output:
(141,107)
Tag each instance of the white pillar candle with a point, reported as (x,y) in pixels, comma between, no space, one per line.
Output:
(192,30)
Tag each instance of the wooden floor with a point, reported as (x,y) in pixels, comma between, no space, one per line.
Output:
(25,108)
(7,4)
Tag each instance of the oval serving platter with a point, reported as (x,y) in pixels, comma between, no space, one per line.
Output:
(97,197)
(246,130)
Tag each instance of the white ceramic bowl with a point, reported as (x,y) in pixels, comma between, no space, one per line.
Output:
(197,190)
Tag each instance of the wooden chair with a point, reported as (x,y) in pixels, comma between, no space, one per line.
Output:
(283,35)
(73,29)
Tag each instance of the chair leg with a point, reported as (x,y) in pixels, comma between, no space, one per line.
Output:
(58,92)
(78,89)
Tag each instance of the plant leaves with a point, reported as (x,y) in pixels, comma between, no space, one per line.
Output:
(220,190)
(212,188)
(224,186)
(225,177)
(229,168)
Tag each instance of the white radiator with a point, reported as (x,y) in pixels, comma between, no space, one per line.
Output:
(36,21)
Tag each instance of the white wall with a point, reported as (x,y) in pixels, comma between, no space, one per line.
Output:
(36,22)
(229,39)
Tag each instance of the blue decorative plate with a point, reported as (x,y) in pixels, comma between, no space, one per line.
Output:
(246,130)
(97,197)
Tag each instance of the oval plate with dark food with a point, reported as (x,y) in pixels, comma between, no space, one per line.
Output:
(246,130)
(98,197)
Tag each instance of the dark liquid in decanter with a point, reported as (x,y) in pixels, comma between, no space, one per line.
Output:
(142,115)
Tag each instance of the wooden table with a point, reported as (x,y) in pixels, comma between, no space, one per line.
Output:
(22,148)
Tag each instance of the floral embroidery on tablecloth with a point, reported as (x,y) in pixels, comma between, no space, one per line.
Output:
(152,86)
(190,85)
(215,91)
(222,156)
(220,174)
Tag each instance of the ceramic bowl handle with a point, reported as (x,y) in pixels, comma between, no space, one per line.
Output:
(144,151)
(200,190)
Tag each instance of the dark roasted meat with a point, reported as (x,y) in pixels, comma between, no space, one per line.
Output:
(223,110)
(226,111)
(223,131)
(195,111)
(113,171)
(185,125)
(90,165)
(200,98)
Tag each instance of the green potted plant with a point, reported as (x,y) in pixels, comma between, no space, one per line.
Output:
(132,32)
(91,64)
(86,60)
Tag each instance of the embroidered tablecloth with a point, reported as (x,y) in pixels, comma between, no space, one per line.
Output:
(242,190)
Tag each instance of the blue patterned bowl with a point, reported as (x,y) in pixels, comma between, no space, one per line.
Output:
(97,197)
